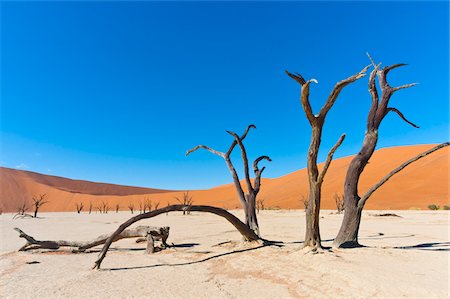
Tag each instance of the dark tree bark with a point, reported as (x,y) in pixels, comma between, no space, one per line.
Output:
(248,200)
(157,233)
(353,203)
(79,207)
(246,232)
(315,179)
(38,201)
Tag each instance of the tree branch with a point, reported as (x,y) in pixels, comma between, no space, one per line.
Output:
(246,232)
(297,77)
(242,138)
(258,172)
(363,200)
(330,158)
(401,116)
(244,160)
(206,148)
(404,86)
(338,88)
(304,95)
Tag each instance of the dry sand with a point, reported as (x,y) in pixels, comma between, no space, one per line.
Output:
(405,257)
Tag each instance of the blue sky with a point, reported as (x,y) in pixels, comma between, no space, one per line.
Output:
(118,91)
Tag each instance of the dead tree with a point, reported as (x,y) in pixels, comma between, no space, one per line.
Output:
(260,204)
(131,207)
(141,206)
(248,200)
(353,203)
(304,201)
(104,207)
(246,232)
(22,211)
(315,179)
(157,233)
(38,201)
(79,207)
(185,200)
(147,205)
(339,200)
(90,207)
(117,208)
(157,205)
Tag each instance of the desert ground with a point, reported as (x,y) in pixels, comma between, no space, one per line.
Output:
(404,257)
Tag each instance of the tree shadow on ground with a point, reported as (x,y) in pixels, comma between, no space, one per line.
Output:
(187,263)
(435,246)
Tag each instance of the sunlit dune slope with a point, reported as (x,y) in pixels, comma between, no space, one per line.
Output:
(420,184)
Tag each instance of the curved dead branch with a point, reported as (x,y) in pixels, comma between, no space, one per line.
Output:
(244,160)
(329,158)
(363,200)
(337,90)
(401,116)
(206,148)
(246,232)
(258,172)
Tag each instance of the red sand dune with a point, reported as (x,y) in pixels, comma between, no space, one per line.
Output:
(420,184)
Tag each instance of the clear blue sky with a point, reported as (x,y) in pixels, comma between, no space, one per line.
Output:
(118,91)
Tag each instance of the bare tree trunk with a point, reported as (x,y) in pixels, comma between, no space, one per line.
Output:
(348,233)
(246,232)
(312,234)
(251,219)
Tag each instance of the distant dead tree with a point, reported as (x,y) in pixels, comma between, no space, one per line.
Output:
(79,207)
(38,202)
(22,211)
(186,200)
(90,207)
(248,200)
(353,203)
(157,205)
(339,200)
(141,206)
(315,179)
(105,207)
(117,208)
(131,207)
(260,204)
(147,206)
(99,208)
(304,201)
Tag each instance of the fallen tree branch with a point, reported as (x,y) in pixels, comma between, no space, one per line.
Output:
(246,232)
(158,233)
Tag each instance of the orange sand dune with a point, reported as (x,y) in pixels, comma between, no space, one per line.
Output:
(420,184)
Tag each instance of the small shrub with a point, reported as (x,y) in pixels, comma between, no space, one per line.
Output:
(433,207)
(446,207)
